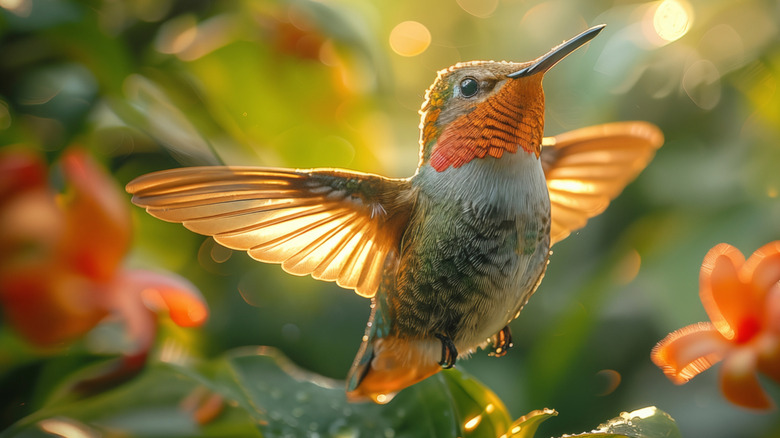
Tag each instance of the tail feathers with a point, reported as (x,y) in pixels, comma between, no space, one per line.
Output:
(387,365)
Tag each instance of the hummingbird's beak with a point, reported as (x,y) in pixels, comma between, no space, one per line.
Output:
(552,57)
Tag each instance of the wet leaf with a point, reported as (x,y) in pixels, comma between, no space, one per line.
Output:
(284,399)
(525,426)
(259,392)
(649,422)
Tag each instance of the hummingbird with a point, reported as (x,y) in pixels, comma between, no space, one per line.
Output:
(448,256)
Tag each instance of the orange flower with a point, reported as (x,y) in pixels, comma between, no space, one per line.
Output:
(60,258)
(742,299)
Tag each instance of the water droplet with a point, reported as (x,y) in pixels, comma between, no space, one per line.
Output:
(369,324)
(365,338)
(340,429)
(291,332)
(292,422)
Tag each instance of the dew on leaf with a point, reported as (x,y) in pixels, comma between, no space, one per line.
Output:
(340,429)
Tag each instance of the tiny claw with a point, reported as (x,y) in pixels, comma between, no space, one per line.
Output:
(502,342)
(449,354)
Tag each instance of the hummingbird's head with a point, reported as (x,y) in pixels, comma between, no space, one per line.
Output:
(486,108)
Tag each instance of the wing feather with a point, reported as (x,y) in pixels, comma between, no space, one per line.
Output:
(587,168)
(335,225)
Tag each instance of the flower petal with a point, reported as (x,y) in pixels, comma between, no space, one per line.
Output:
(731,304)
(173,293)
(763,267)
(688,351)
(772,305)
(30,220)
(768,344)
(98,218)
(20,170)
(49,307)
(739,381)
(768,348)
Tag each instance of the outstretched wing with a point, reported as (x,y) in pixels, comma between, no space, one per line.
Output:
(333,224)
(589,167)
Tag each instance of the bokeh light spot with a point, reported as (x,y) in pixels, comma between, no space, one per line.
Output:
(672,19)
(628,267)
(410,38)
(22,8)
(610,381)
(479,8)
(176,35)
(220,254)
(701,83)
(65,427)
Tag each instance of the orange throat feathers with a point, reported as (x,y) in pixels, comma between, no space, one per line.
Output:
(510,119)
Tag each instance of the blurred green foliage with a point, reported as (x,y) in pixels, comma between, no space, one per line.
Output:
(154,84)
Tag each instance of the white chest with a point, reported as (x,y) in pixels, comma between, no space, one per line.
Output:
(510,190)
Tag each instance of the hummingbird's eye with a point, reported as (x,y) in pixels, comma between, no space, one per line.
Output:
(469,87)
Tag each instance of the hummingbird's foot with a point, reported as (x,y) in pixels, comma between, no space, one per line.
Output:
(502,342)
(449,354)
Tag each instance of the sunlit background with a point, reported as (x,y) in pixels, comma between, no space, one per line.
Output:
(154,84)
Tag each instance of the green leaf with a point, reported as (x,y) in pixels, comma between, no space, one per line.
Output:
(150,406)
(262,393)
(525,426)
(284,399)
(649,422)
